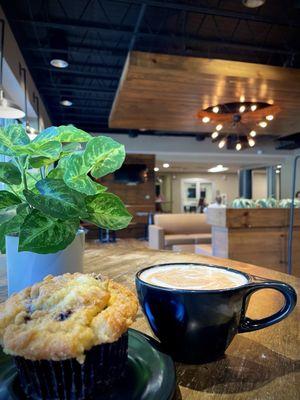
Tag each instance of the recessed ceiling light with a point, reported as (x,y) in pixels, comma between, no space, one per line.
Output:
(205,120)
(252,133)
(253,107)
(238,146)
(222,143)
(66,103)
(58,63)
(166,165)
(269,117)
(215,134)
(242,109)
(215,109)
(219,127)
(253,3)
(156,169)
(218,168)
(263,124)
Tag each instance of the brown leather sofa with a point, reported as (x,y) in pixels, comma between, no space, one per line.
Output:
(171,229)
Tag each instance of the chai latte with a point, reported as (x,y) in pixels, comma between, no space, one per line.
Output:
(193,277)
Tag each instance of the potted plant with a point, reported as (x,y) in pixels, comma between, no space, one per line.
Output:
(42,205)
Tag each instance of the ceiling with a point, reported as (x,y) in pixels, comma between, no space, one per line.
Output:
(95,37)
(166,92)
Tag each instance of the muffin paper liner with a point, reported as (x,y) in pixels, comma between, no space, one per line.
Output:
(104,365)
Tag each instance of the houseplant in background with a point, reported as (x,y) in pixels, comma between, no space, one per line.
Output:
(42,206)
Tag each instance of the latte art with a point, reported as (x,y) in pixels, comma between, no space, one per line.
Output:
(193,277)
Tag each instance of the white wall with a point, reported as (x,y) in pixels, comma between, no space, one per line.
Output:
(259,184)
(225,183)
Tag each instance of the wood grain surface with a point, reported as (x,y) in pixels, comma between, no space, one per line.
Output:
(261,365)
(166,92)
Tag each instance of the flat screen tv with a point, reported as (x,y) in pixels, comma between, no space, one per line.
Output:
(132,173)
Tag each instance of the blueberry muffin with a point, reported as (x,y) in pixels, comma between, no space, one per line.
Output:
(68,335)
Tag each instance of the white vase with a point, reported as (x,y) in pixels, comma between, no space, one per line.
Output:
(25,268)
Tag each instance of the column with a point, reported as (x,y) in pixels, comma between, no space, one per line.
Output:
(245,183)
(271,182)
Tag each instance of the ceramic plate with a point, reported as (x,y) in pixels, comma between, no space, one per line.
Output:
(150,374)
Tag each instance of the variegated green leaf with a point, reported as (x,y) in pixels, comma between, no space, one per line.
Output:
(42,234)
(108,211)
(63,133)
(103,155)
(48,149)
(10,222)
(76,177)
(11,136)
(8,199)
(57,200)
(9,173)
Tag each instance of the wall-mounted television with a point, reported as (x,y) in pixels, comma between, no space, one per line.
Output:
(131,173)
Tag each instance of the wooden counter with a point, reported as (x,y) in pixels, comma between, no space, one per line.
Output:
(258,236)
(261,365)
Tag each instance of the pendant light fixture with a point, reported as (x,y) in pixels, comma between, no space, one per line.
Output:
(8,110)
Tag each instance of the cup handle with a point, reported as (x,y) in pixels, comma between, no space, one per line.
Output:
(290,297)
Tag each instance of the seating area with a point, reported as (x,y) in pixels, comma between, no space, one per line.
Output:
(178,229)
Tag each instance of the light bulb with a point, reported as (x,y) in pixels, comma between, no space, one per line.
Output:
(219,127)
(205,120)
(215,134)
(215,109)
(242,109)
(269,117)
(156,169)
(263,124)
(166,165)
(251,142)
(238,146)
(277,171)
(253,107)
(252,133)
(222,143)
(279,166)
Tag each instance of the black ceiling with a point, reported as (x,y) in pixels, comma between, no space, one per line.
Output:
(95,37)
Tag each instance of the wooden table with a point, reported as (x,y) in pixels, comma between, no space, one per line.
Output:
(261,365)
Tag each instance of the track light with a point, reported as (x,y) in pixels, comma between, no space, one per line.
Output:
(251,142)
(215,109)
(219,127)
(252,133)
(215,134)
(253,107)
(270,117)
(242,109)
(205,120)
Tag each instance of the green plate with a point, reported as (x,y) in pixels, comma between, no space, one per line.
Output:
(150,373)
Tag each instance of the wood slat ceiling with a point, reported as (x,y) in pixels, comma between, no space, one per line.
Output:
(165,92)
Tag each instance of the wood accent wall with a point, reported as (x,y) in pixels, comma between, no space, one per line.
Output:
(256,236)
(139,198)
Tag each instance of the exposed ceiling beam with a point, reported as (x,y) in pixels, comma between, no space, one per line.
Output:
(79,49)
(81,107)
(190,40)
(79,88)
(79,99)
(84,74)
(109,67)
(219,12)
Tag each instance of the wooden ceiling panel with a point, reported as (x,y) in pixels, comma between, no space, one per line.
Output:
(165,92)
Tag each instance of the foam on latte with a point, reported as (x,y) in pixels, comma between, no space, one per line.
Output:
(192,277)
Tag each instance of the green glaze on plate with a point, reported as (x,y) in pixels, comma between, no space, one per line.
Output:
(150,374)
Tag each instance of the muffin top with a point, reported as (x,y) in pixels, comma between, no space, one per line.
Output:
(62,317)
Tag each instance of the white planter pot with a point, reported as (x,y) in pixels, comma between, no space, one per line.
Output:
(26,268)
